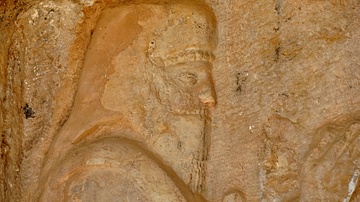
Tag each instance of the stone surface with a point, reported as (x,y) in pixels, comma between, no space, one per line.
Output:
(156,100)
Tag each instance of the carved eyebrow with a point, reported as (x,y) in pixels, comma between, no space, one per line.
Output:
(187,78)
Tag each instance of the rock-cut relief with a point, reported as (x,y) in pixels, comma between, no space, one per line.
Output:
(332,168)
(140,124)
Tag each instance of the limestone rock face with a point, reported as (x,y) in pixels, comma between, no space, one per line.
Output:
(187,100)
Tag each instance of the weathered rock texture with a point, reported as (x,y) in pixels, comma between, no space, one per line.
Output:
(156,100)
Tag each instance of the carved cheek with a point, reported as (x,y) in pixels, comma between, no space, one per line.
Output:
(182,99)
(196,96)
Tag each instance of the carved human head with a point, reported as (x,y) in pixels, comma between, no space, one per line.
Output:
(172,41)
(182,49)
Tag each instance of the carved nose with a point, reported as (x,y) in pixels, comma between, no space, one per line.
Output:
(207,96)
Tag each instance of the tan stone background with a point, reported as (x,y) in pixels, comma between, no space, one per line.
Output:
(285,72)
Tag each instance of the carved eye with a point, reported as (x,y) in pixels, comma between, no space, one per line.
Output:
(187,79)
